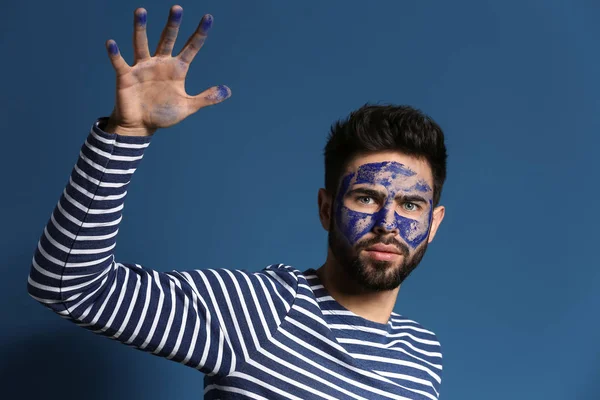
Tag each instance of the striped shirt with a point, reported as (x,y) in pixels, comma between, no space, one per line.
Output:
(273,334)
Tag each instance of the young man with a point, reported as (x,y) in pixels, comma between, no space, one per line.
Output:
(276,334)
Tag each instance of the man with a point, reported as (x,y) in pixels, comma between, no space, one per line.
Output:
(275,334)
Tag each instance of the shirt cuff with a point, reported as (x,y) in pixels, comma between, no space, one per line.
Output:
(100,124)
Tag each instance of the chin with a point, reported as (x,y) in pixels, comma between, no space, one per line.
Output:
(375,275)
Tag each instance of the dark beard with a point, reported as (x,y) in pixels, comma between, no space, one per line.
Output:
(382,276)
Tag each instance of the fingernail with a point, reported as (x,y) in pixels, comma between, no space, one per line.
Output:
(113,49)
(206,22)
(176,16)
(141,18)
(223,92)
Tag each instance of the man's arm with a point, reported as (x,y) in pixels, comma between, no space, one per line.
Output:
(199,318)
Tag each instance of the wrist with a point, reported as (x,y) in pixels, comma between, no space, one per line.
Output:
(120,129)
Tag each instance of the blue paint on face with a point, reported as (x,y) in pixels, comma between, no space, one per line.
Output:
(206,23)
(420,186)
(370,173)
(411,230)
(359,224)
(351,219)
(396,179)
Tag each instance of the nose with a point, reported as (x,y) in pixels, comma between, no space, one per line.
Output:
(386,221)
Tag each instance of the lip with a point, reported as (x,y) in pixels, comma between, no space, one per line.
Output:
(384,248)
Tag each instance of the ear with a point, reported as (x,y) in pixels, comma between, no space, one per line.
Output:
(438,216)
(325,208)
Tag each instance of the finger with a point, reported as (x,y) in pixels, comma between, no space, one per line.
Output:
(214,95)
(196,41)
(169,34)
(140,38)
(116,59)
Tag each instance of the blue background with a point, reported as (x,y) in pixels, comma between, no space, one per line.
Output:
(510,284)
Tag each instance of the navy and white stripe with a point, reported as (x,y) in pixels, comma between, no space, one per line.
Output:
(273,334)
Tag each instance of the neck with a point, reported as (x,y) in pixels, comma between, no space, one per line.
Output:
(373,306)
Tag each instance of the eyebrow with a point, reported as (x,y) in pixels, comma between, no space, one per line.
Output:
(376,193)
(412,198)
(367,192)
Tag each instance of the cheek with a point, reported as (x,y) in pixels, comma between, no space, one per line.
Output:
(414,232)
(353,224)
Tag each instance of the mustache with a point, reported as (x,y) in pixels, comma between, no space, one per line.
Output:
(389,240)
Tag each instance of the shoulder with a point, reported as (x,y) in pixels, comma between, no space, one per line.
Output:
(284,275)
(419,344)
(275,278)
(280,278)
(401,326)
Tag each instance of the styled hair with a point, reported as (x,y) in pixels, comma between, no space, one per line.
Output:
(376,128)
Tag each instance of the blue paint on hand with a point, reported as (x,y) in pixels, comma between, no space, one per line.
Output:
(223,92)
(176,15)
(141,18)
(220,94)
(206,23)
(113,49)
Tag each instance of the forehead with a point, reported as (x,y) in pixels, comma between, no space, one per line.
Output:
(388,166)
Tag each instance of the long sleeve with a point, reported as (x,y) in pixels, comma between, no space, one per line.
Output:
(201,318)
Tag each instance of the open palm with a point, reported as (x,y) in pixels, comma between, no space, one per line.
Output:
(151,93)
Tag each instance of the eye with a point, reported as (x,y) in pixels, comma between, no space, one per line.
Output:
(366,200)
(408,206)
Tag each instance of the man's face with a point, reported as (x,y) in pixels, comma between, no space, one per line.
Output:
(381,218)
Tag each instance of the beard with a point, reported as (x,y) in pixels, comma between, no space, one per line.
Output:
(374,275)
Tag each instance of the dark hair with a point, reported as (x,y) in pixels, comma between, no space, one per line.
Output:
(375,128)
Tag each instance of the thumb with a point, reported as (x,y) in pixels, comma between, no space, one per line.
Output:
(214,95)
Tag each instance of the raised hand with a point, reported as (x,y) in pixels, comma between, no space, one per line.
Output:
(151,93)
